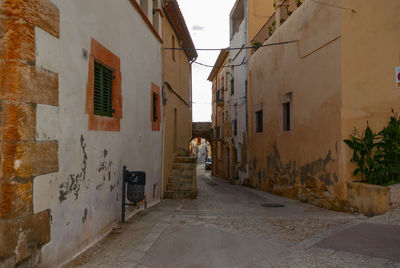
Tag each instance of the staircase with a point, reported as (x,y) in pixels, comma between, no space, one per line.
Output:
(182,180)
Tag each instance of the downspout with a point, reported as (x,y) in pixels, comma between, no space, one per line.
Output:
(246,85)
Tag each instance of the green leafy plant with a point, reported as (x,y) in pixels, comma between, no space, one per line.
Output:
(377,155)
(298,2)
(388,151)
(270,30)
(256,45)
(363,146)
(273,23)
(282,20)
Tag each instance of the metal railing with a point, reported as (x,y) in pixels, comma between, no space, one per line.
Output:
(281,14)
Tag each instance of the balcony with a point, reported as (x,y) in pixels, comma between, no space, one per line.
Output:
(220,97)
(283,9)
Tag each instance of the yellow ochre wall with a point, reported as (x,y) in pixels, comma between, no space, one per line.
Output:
(258,13)
(370,53)
(341,73)
(301,163)
(178,74)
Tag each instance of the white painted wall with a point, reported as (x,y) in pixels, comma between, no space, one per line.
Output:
(240,75)
(85,195)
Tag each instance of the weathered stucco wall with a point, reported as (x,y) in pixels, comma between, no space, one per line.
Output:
(301,163)
(370,53)
(84,196)
(236,103)
(258,13)
(177,109)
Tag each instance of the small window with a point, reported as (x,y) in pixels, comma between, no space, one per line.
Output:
(234,123)
(259,121)
(102,90)
(155,112)
(173,48)
(286,116)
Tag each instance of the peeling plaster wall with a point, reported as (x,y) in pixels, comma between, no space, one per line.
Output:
(302,163)
(84,197)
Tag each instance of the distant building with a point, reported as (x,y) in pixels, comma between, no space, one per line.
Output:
(230,112)
(221,148)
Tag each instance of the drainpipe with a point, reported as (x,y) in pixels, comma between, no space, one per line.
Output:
(246,79)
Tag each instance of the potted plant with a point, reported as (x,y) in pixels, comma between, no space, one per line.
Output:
(377,160)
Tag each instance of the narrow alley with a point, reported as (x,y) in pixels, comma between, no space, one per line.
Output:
(235,226)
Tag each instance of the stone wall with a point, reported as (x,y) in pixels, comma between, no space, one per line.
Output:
(23,86)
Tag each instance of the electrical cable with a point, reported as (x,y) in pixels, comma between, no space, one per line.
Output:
(231,48)
(221,66)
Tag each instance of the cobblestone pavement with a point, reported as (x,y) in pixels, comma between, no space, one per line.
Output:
(227,226)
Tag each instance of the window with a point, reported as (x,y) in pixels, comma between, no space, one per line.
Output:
(155,108)
(286,116)
(103,91)
(102,96)
(155,112)
(173,48)
(259,121)
(234,123)
(286,112)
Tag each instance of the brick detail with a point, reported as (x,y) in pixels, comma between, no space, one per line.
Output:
(24,235)
(18,121)
(15,199)
(23,85)
(40,13)
(25,160)
(21,82)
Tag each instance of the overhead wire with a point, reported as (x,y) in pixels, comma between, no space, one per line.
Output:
(231,48)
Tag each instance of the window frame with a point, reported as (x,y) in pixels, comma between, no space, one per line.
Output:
(101,55)
(155,108)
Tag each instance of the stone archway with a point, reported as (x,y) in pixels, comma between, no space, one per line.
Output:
(202,130)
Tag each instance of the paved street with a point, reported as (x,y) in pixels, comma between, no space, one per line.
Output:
(234,226)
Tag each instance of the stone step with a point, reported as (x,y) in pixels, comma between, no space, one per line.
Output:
(182,172)
(191,166)
(180,179)
(183,159)
(180,194)
(179,186)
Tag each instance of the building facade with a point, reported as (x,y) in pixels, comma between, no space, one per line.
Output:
(220,143)
(81,85)
(178,54)
(246,17)
(306,96)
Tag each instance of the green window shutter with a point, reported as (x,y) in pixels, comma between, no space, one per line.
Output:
(102,90)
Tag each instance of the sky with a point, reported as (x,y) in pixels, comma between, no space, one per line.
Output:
(208,23)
